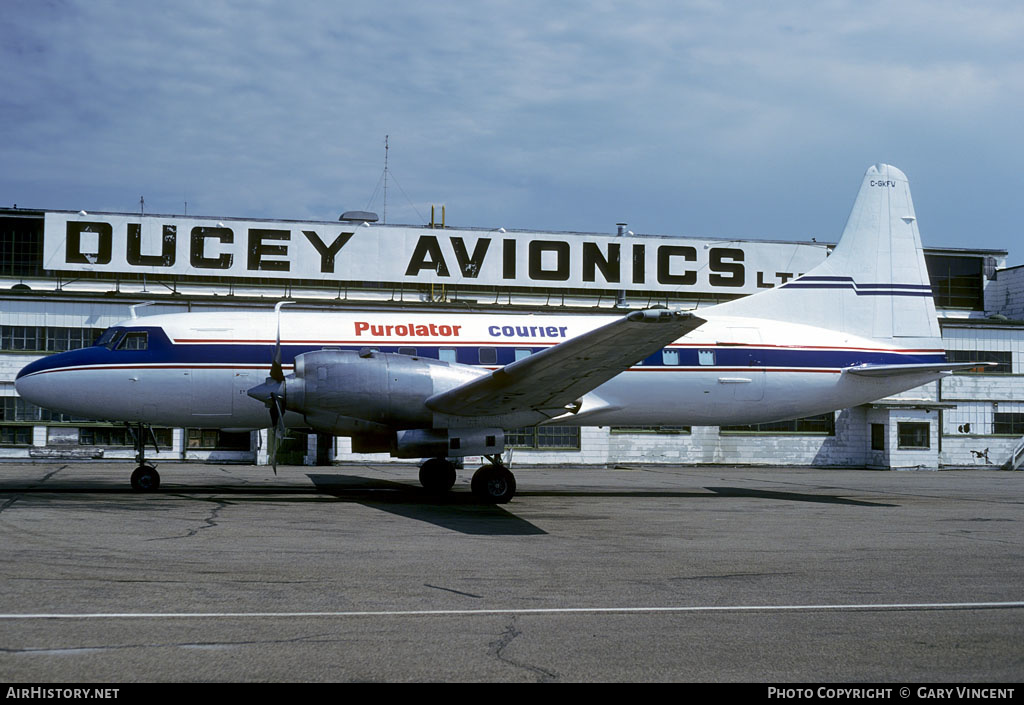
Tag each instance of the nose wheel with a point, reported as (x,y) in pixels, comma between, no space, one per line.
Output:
(145,479)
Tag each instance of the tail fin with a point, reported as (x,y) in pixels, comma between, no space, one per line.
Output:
(875,283)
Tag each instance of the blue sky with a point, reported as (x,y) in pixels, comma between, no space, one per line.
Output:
(745,120)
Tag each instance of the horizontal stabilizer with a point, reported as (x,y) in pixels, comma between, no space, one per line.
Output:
(900,370)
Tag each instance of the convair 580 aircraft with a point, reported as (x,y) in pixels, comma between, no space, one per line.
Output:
(856,328)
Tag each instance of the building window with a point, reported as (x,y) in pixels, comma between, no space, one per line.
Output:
(46,338)
(1009,423)
(957,282)
(121,436)
(878,436)
(1002,358)
(659,430)
(820,425)
(105,436)
(16,435)
(914,435)
(21,246)
(544,437)
(21,338)
(213,439)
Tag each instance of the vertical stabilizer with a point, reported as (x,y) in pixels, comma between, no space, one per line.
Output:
(875,283)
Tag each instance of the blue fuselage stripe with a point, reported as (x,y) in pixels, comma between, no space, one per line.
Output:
(161,352)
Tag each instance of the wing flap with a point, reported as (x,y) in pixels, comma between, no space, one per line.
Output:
(554,380)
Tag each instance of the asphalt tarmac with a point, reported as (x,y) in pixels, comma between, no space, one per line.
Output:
(353,573)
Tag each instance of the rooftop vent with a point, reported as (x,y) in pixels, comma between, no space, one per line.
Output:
(363,216)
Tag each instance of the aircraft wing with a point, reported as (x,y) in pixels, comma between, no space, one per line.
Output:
(898,370)
(556,378)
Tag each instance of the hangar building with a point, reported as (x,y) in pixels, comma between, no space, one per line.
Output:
(67,275)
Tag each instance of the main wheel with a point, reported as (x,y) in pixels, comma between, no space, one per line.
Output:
(494,484)
(145,479)
(437,475)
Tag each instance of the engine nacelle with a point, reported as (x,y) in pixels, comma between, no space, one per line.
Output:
(348,393)
(448,442)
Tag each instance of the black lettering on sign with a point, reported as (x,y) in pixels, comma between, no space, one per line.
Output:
(665,255)
(197,249)
(508,259)
(327,253)
(561,251)
(103,234)
(594,259)
(258,250)
(470,265)
(639,264)
(167,247)
(726,265)
(427,255)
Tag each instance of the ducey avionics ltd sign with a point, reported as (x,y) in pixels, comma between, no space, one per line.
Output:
(170,245)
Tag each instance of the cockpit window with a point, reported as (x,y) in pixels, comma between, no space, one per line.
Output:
(110,337)
(134,340)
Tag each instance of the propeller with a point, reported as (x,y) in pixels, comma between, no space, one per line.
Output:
(272,391)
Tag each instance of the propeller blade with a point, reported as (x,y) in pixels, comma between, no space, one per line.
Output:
(272,392)
(276,371)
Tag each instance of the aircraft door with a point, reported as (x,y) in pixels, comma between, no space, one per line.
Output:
(213,386)
(212,391)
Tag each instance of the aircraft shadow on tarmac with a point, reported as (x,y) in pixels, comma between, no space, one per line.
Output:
(458,511)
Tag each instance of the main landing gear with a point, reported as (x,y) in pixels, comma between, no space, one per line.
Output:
(493,483)
(145,478)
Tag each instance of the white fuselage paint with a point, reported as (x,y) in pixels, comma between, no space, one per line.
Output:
(728,371)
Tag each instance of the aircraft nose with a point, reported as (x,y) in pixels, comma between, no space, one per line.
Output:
(38,384)
(33,389)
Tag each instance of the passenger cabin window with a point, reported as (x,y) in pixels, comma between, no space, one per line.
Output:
(670,357)
(134,340)
(523,353)
(407,351)
(488,356)
(446,355)
(706,357)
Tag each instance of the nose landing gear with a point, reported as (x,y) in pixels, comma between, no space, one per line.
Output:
(145,478)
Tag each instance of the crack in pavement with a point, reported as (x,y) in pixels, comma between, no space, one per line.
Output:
(16,497)
(209,522)
(499,645)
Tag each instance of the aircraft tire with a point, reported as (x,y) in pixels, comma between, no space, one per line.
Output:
(145,479)
(437,475)
(494,484)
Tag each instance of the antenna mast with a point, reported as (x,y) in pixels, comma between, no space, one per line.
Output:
(385,219)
